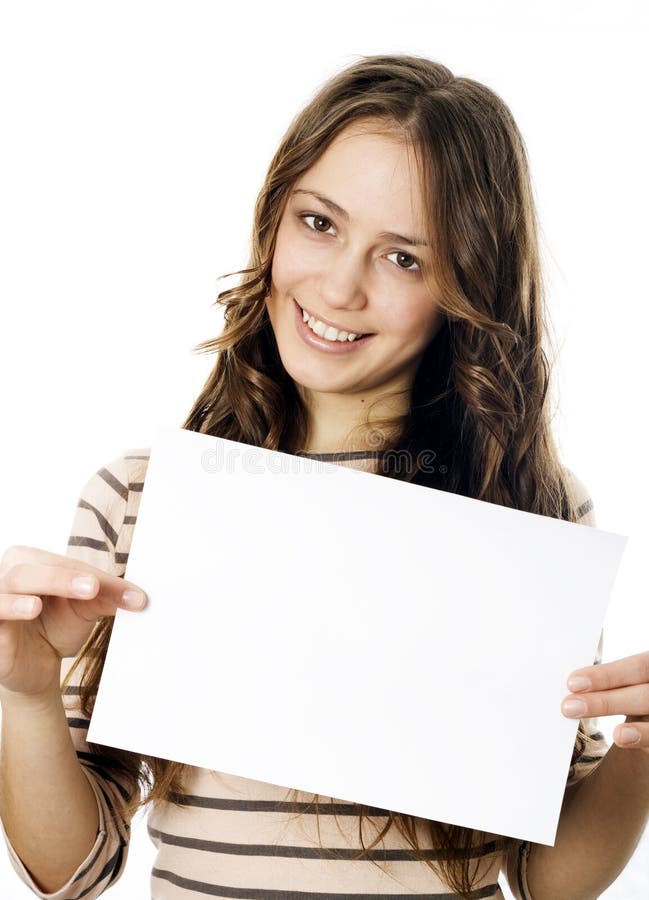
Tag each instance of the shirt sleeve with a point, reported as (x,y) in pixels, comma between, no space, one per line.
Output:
(590,745)
(100,536)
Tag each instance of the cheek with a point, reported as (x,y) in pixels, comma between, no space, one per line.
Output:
(417,321)
(289,266)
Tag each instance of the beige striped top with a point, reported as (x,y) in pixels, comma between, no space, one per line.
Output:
(234,837)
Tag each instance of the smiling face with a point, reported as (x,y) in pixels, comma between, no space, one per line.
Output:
(347,252)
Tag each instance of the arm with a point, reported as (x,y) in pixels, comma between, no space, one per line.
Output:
(49,810)
(65,827)
(606,804)
(602,820)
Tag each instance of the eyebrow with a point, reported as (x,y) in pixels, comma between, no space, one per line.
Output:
(339,211)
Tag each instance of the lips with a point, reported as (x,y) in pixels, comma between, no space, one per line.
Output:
(346,328)
(321,344)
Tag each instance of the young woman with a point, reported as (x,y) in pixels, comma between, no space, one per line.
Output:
(391,312)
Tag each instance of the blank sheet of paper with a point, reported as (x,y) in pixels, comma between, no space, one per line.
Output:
(326,629)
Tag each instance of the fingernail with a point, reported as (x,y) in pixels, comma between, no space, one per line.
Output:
(629,736)
(579,683)
(84,585)
(133,599)
(574,708)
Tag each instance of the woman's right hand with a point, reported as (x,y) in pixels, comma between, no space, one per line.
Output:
(45,615)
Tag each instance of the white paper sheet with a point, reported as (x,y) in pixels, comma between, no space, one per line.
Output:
(326,629)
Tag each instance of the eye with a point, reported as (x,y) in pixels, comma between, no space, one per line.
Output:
(321,224)
(411,262)
(317,222)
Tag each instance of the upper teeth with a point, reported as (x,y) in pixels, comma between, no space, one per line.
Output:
(327,331)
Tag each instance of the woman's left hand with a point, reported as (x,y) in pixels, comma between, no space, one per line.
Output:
(619,688)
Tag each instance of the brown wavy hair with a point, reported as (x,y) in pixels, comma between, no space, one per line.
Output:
(479,402)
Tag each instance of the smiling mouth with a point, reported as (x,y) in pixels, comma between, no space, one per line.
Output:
(325,324)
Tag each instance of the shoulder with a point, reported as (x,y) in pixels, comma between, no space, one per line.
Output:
(107,506)
(580,497)
(135,462)
(108,487)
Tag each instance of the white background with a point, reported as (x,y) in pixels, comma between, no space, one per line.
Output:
(135,139)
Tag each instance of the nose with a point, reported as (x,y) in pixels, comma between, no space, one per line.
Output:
(342,282)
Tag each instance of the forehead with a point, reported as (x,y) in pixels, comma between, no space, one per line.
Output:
(367,163)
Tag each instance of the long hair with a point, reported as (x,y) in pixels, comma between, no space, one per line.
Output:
(480,403)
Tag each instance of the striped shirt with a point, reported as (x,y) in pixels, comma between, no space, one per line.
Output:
(234,837)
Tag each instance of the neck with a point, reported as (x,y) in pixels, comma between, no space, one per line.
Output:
(352,422)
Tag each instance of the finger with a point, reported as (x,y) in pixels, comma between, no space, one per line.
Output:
(605,676)
(626,701)
(19,606)
(634,735)
(80,584)
(20,553)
